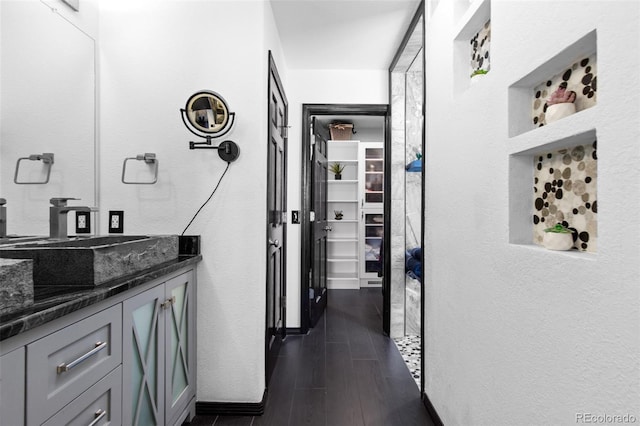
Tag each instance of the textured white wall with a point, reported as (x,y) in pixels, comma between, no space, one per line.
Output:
(517,335)
(154,55)
(317,87)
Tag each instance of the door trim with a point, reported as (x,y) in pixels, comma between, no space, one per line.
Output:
(273,71)
(309,110)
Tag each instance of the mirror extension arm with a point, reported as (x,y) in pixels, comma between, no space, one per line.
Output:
(227,150)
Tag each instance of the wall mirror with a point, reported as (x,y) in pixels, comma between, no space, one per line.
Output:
(48,98)
(208,112)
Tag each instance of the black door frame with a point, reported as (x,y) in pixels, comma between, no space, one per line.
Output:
(270,361)
(309,110)
(420,13)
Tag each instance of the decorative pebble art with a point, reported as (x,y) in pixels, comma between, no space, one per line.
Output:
(565,191)
(409,347)
(480,60)
(581,78)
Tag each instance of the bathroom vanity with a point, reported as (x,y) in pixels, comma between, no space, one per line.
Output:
(122,352)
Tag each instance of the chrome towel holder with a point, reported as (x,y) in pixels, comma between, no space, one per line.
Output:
(47,159)
(149,158)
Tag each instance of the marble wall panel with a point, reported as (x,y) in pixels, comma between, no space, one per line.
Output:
(397,217)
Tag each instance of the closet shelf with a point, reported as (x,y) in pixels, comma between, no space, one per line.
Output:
(347,265)
(342,259)
(344,276)
(346,161)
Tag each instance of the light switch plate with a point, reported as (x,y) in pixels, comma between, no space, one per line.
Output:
(116,221)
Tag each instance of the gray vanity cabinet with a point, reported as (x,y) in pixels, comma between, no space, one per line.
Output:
(64,364)
(12,388)
(159,353)
(127,360)
(99,405)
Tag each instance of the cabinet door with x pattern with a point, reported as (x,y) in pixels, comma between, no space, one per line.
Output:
(159,361)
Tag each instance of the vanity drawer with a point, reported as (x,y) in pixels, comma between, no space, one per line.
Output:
(64,364)
(100,405)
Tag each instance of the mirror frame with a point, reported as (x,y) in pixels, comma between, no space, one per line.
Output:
(195,127)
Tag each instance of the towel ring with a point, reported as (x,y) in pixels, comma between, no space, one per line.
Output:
(149,158)
(47,159)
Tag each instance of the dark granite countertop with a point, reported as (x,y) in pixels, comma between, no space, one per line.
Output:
(56,301)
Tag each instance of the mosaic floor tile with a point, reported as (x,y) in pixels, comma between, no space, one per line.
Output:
(409,347)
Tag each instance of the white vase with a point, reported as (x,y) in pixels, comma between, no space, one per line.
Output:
(557,111)
(557,241)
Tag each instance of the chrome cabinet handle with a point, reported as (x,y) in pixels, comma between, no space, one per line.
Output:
(66,367)
(98,416)
(275,243)
(167,303)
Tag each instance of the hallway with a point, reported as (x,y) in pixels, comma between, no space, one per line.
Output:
(345,372)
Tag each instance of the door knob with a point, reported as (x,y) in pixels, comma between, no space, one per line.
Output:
(328,228)
(275,243)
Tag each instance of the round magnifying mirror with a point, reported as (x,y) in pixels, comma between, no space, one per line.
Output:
(207,112)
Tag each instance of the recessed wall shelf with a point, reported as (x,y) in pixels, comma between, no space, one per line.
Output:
(580,78)
(555,136)
(576,64)
(471,45)
(570,254)
(555,183)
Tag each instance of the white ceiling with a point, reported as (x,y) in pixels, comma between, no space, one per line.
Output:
(342,34)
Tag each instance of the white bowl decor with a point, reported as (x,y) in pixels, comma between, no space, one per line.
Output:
(557,111)
(560,104)
(558,238)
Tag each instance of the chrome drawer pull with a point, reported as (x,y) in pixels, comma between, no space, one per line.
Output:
(66,367)
(99,415)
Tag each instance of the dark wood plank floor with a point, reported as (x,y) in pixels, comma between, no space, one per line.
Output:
(345,372)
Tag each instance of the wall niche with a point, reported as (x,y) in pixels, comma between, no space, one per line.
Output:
(529,97)
(580,77)
(480,45)
(565,191)
(471,45)
(553,179)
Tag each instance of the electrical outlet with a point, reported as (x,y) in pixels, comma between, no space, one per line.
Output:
(116,221)
(83,222)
